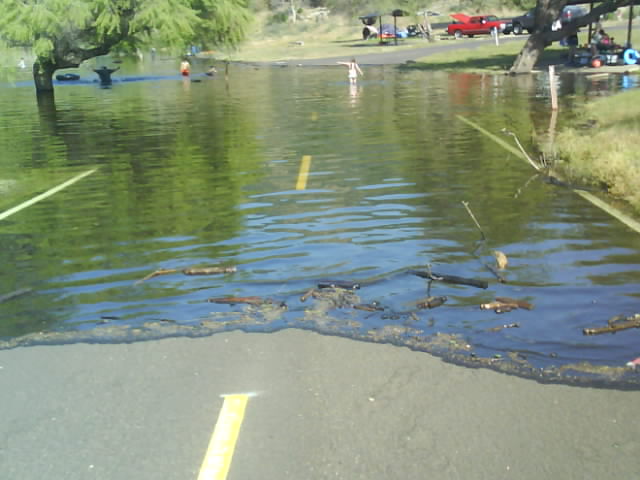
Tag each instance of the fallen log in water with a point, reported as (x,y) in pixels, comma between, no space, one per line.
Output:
(450,279)
(615,324)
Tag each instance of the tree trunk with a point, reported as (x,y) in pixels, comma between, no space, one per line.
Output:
(43,76)
(528,56)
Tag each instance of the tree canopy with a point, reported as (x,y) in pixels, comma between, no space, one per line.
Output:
(63,33)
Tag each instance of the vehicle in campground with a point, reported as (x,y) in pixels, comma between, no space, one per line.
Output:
(527,20)
(474,25)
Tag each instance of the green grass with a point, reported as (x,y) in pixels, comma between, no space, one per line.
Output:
(603,148)
(484,58)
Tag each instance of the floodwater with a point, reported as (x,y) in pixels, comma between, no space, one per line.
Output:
(207,171)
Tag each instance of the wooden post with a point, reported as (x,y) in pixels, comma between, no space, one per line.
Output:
(395,30)
(552,87)
(630,21)
(590,25)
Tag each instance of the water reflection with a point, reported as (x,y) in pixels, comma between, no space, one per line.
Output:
(201,173)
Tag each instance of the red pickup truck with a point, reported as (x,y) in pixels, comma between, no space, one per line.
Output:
(476,25)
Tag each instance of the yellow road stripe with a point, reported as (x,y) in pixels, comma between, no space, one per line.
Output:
(44,195)
(304,172)
(217,461)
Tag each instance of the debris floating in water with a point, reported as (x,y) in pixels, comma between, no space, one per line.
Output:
(189,271)
(501,259)
(615,324)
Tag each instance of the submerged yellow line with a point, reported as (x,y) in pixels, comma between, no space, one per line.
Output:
(217,460)
(44,195)
(614,212)
(304,172)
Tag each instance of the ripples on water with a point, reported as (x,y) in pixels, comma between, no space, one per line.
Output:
(198,173)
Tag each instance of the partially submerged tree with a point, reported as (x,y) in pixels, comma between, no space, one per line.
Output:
(64,33)
(546,12)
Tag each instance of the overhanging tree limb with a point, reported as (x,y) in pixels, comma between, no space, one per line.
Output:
(546,12)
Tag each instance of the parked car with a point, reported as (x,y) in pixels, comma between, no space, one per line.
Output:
(527,21)
(369,21)
(571,12)
(475,25)
(523,22)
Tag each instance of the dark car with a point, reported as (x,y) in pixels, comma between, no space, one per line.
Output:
(527,21)
(523,22)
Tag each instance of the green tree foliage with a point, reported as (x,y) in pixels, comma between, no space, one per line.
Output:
(63,33)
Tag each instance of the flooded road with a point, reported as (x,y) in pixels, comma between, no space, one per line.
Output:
(294,177)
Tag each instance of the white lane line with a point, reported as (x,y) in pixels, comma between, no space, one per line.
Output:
(44,195)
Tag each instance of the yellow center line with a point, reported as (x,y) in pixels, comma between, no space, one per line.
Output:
(217,460)
(44,195)
(304,172)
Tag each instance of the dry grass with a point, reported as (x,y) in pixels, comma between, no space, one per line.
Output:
(333,38)
(605,148)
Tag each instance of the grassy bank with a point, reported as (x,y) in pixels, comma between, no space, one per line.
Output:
(603,148)
(486,58)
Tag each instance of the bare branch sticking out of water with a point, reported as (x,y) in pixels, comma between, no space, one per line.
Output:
(526,184)
(157,273)
(473,217)
(495,272)
(526,155)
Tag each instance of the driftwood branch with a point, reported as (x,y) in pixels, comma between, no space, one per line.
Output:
(615,324)
(189,271)
(235,300)
(450,278)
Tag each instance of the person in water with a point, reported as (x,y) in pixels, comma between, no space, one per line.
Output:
(354,70)
(185,68)
(105,74)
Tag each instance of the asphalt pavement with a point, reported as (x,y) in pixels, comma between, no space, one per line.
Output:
(320,407)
